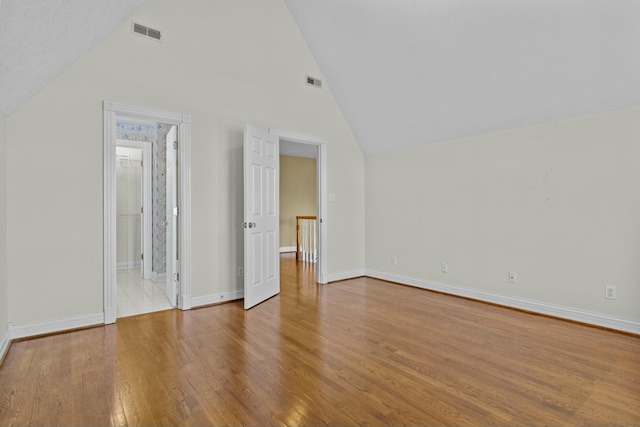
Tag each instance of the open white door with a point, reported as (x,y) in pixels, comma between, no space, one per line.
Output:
(261,216)
(172,216)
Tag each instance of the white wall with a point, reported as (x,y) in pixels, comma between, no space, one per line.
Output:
(558,203)
(224,63)
(4,293)
(128,203)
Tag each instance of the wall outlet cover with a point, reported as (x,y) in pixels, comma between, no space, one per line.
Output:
(610,292)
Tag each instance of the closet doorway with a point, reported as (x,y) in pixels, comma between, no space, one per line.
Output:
(147,211)
(141,284)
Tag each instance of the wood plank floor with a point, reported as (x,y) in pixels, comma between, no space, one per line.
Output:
(359,352)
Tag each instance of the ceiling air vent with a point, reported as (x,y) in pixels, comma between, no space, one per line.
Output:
(146,31)
(314,82)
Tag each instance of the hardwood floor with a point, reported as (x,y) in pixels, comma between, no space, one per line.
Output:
(358,352)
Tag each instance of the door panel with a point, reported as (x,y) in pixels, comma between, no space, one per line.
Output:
(261,216)
(172,217)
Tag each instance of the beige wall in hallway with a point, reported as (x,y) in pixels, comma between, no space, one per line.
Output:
(297,195)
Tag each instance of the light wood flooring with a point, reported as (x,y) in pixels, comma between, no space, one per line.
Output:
(358,352)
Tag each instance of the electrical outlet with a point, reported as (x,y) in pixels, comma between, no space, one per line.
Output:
(610,292)
(444,267)
(240,271)
(394,260)
(513,277)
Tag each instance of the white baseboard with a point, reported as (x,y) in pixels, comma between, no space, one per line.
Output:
(5,341)
(128,264)
(287,249)
(23,331)
(554,310)
(216,298)
(336,277)
(186,302)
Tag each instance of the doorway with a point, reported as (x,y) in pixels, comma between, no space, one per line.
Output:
(312,147)
(145,184)
(261,210)
(298,204)
(155,215)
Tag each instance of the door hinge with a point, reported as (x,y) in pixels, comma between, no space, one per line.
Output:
(141,209)
(175,211)
(142,256)
(176,277)
(175,145)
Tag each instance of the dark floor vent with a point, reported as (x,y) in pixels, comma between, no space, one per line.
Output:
(146,31)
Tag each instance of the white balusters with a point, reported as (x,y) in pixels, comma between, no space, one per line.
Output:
(307,241)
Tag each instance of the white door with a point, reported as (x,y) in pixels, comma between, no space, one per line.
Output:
(261,216)
(172,216)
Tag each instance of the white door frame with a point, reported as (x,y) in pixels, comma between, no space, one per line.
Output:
(321,194)
(172,268)
(110,113)
(146,201)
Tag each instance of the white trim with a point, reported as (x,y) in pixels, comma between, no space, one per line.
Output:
(554,310)
(321,166)
(216,298)
(125,265)
(184,211)
(346,275)
(109,215)
(5,343)
(74,322)
(110,113)
(284,249)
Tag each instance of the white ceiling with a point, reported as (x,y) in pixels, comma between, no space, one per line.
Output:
(408,72)
(40,38)
(404,72)
(288,148)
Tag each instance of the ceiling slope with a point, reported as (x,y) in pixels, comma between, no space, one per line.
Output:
(408,72)
(41,38)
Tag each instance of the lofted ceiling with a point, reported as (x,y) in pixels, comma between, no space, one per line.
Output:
(404,72)
(40,38)
(409,72)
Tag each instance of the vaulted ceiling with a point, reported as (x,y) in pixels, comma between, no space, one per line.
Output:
(404,72)
(40,38)
(408,72)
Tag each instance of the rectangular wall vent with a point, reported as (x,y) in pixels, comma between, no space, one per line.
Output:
(146,31)
(314,82)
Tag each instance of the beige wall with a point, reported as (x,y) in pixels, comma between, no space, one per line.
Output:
(223,62)
(558,203)
(297,195)
(4,292)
